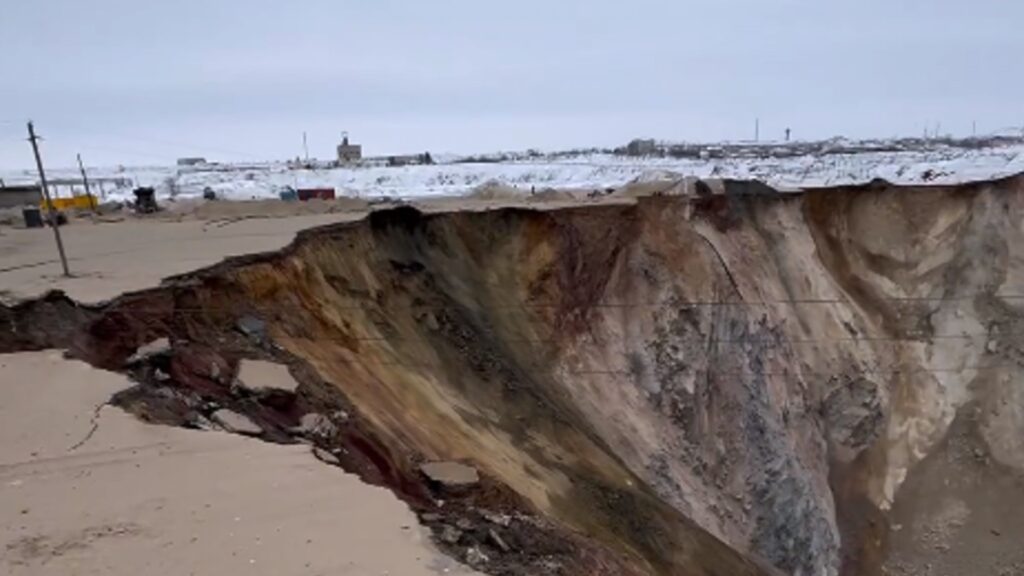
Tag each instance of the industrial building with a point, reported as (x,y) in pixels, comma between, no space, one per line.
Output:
(349,153)
(20,195)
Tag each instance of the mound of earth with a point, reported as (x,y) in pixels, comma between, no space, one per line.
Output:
(552,195)
(495,190)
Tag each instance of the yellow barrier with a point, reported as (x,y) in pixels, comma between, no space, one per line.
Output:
(83,202)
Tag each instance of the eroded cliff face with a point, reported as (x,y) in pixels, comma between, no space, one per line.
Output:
(734,383)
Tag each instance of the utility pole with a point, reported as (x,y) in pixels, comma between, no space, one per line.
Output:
(46,194)
(85,180)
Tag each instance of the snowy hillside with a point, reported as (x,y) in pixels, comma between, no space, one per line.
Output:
(587,171)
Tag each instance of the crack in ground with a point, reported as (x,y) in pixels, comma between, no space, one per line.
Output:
(94,425)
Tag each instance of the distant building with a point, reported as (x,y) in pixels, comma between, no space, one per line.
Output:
(640,147)
(306,194)
(349,153)
(709,152)
(194,161)
(20,195)
(410,159)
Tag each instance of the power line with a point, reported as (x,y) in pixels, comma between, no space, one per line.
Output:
(844,371)
(100,148)
(54,223)
(178,145)
(378,306)
(923,339)
(914,337)
(181,146)
(709,370)
(85,180)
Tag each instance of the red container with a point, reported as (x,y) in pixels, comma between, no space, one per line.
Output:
(310,193)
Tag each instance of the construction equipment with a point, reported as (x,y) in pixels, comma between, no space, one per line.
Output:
(145,200)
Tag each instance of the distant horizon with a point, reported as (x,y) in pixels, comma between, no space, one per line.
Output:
(170,161)
(127,83)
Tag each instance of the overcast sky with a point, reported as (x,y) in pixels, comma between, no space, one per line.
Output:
(143,82)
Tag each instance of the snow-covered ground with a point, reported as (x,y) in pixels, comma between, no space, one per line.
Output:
(588,171)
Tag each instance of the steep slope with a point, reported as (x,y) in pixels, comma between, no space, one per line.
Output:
(685,385)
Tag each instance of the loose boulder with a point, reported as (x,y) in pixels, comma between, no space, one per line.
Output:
(158,347)
(237,423)
(450,474)
(325,456)
(314,424)
(252,327)
(263,376)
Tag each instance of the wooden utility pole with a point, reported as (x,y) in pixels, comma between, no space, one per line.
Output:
(46,194)
(85,180)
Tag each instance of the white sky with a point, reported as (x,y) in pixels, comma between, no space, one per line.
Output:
(143,82)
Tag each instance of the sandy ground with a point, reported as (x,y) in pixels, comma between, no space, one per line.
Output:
(115,254)
(87,489)
(107,259)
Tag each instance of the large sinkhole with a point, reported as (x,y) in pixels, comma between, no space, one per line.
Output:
(816,383)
